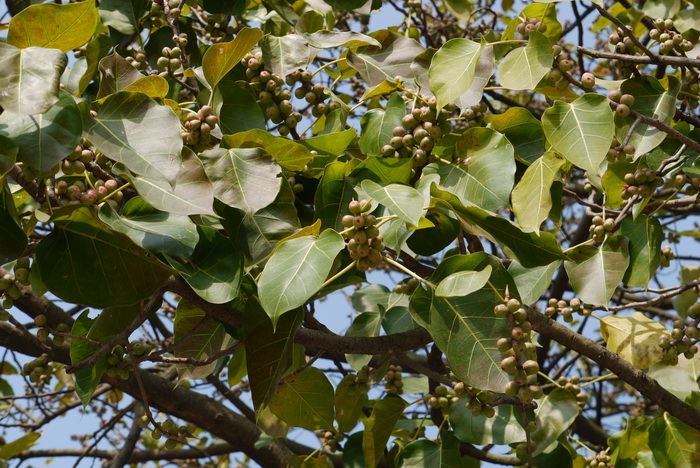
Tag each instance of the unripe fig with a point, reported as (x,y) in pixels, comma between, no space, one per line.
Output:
(622,110)
(588,80)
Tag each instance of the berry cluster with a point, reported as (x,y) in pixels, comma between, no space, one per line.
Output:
(421,129)
(171,430)
(522,450)
(566,309)
(618,151)
(138,61)
(330,440)
(531,24)
(406,287)
(75,192)
(394,380)
(571,385)
(599,460)
(668,39)
(666,256)
(170,59)
(624,102)
(313,94)
(38,371)
(562,64)
(642,182)
(218,29)
(44,332)
(174,6)
(480,401)
(600,228)
(119,361)
(198,126)
(75,162)
(156,16)
(518,352)
(684,337)
(694,182)
(442,397)
(364,242)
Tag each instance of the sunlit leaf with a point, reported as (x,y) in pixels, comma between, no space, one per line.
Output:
(289,154)
(287,53)
(634,338)
(503,428)
(555,414)
(532,282)
(463,283)
(330,39)
(378,427)
(524,67)
(377,125)
(452,69)
(428,454)
(392,59)
(403,201)
(645,234)
(532,200)
(152,86)
(17,446)
(674,443)
(522,129)
(220,58)
(116,73)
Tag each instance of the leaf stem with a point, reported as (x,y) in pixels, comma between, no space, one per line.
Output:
(602,377)
(128,184)
(511,41)
(338,275)
(325,65)
(408,272)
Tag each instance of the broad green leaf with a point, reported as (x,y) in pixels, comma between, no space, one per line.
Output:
(675,379)
(581,131)
(528,248)
(44,139)
(86,378)
(350,398)
(29,78)
(268,350)
(14,240)
(613,182)
(403,201)
(652,100)
(220,58)
(215,270)
(287,53)
(688,274)
(532,200)
(503,428)
(522,129)
(190,193)
(392,59)
(378,427)
(195,339)
(133,129)
(555,414)
(330,143)
(372,298)
(289,154)
(333,194)
(385,170)
(152,229)
(96,50)
(153,86)
(396,320)
(377,125)
(532,282)
(452,69)
(305,400)
(8,154)
(431,240)
(524,67)
(546,13)
(243,178)
(345,4)
(463,283)
(330,39)
(674,443)
(18,446)
(634,338)
(425,453)
(645,234)
(482,75)
(116,73)
(296,270)
(596,272)
(51,26)
(120,272)
(124,16)
(627,443)
(465,328)
(237,109)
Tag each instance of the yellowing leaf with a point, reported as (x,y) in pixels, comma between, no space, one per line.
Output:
(634,338)
(221,58)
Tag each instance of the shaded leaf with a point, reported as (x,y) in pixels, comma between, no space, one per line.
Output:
(403,201)
(532,282)
(152,86)
(503,428)
(532,200)
(333,194)
(237,109)
(287,53)
(428,454)
(330,39)
(116,73)
(350,398)
(8,154)
(452,69)
(124,16)
(305,400)
(645,235)
(393,58)
(219,59)
(555,414)
(377,125)
(11,449)
(634,338)
(378,427)
(365,324)
(14,240)
(522,129)
(86,379)
(96,50)
(524,67)
(196,339)
(673,443)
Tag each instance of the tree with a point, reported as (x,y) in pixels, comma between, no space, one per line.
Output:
(179,199)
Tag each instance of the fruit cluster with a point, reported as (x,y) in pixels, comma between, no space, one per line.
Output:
(624,102)
(694,186)
(394,380)
(442,397)
(419,132)
(571,385)
(38,370)
(156,16)
(75,162)
(75,192)
(600,228)
(44,332)
(170,58)
(566,309)
(313,94)
(479,402)
(518,352)
(531,24)
(171,430)
(666,256)
(406,287)
(642,182)
(668,39)
(138,61)
(119,360)
(330,440)
(618,151)
(364,242)
(218,29)
(684,337)
(562,64)
(198,126)
(599,460)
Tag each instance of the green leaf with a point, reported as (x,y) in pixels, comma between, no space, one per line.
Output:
(634,338)
(463,283)
(522,129)
(673,443)
(428,454)
(123,16)
(331,39)
(524,67)
(152,229)
(220,58)
(215,270)
(18,446)
(345,4)
(385,170)
(581,131)
(96,50)
(486,176)
(377,125)
(237,109)
(289,154)
(153,86)
(305,400)
(29,78)
(244,178)
(14,240)
(196,337)
(595,272)
(86,378)
(189,193)
(333,194)
(532,282)
(645,235)
(134,130)
(8,154)
(287,53)
(44,139)
(503,428)
(296,270)
(350,398)
(371,298)
(652,100)
(452,69)
(330,143)
(232,7)
(51,26)
(627,443)
(378,427)
(555,414)
(120,272)
(392,59)
(431,240)
(268,350)
(116,73)
(403,201)
(613,182)
(675,379)
(532,200)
